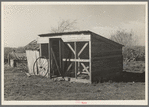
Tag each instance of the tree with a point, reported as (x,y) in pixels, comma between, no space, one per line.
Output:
(129,40)
(125,38)
(63,26)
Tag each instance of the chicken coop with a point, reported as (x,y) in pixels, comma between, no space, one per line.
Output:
(81,56)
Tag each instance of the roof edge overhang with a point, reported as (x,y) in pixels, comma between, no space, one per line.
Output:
(79,32)
(64,33)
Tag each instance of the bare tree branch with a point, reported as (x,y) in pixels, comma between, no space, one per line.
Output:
(64,25)
(125,38)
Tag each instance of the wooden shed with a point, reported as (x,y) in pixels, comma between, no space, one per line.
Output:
(32,53)
(82,56)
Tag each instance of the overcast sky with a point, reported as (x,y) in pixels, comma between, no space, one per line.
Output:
(23,23)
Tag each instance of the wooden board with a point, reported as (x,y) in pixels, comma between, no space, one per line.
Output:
(106,58)
(66,38)
(44,50)
(108,62)
(11,62)
(79,80)
(31,58)
(101,48)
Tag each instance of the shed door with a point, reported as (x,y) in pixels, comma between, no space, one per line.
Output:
(58,50)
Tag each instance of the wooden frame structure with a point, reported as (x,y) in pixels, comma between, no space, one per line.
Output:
(14,59)
(87,50)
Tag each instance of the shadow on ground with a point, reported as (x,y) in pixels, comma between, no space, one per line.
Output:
(130,77)
(126,77)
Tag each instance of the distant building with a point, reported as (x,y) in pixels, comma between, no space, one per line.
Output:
(14,59)
(32,46)
(32,53)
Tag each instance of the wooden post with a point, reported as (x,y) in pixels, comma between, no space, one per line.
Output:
(62,46)
(79,65)
(90,76)
(8,60)
(49,60)
(76,66)
(60,57)
(40,52)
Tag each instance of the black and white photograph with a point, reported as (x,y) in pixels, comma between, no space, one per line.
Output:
(74,53)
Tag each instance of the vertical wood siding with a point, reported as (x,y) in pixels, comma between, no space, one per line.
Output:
(106,58)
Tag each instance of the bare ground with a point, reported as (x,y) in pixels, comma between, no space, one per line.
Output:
(18,86)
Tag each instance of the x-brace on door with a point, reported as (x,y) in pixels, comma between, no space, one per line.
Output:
(80,59)
(69,59)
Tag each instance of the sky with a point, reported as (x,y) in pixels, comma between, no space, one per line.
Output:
(23,23)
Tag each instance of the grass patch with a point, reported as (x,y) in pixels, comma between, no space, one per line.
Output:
(18,86)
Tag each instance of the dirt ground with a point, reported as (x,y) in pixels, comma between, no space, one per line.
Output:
(18,86)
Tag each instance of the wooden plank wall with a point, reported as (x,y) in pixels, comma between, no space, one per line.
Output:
(31,58)
(44,50)
(106,59)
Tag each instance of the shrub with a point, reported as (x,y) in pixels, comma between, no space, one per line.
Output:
(136,53)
